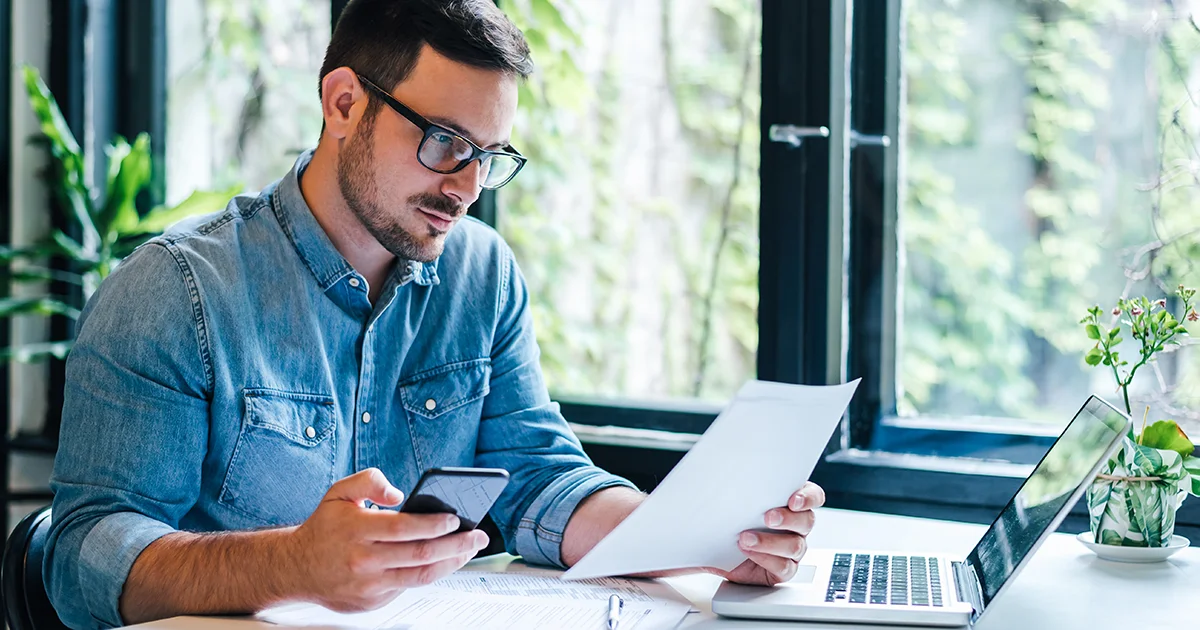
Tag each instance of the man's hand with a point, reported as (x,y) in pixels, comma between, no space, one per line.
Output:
(773,555)
(352,558)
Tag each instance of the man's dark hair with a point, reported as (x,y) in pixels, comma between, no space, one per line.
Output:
(381,39)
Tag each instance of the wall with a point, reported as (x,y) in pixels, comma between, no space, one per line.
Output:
(26,394)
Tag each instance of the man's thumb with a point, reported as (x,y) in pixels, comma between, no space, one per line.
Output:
(368,485)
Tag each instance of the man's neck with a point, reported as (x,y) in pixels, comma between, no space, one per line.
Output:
(321,192)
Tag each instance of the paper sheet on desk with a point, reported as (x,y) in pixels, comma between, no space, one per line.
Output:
(759,451)
(505,601)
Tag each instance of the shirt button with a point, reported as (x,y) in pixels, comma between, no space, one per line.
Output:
(431,404)
(366,417)
(354,282)
(310,432)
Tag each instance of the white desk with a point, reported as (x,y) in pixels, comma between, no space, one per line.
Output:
(1064,586)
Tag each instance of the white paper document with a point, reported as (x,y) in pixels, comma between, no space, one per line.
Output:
(505,601)
(759,451)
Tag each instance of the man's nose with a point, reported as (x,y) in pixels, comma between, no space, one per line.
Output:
(463,186)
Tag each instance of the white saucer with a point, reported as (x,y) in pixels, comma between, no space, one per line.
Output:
(1117,553)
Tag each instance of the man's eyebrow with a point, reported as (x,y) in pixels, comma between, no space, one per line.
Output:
(459,129)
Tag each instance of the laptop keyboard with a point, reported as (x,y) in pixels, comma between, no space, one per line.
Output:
(882,579)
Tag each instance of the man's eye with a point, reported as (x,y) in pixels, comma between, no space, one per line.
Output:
(443,138)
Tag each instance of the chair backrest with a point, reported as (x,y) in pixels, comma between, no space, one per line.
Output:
(26,606)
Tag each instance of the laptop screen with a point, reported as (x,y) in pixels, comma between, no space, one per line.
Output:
(1045,497)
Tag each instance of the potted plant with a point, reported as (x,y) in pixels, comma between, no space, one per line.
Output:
(101,227)
(104,227)
(1133,500)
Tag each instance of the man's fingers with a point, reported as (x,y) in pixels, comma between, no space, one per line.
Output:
(368,485)
(783,569)
(807,498)
(392,526)
(410,577)
(791,546)
(421,553)
(787,520)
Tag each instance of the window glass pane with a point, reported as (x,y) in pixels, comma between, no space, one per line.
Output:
(1050,163)
(642,128)
(242,90)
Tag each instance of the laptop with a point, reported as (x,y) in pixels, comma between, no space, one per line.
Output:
(920,589)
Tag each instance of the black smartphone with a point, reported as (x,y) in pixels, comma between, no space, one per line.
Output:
(465,492)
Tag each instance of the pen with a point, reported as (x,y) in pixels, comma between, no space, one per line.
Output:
(615,605)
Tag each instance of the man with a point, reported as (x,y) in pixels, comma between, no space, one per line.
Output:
(245,389)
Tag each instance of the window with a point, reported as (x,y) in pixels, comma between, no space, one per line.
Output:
(1045,163)
(970,177)
(1050,160)
(242,102)
(636,220)
(1010,165)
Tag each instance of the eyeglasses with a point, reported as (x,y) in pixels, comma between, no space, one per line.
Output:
(444,151)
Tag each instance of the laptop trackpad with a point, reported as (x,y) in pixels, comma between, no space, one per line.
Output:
(804,574)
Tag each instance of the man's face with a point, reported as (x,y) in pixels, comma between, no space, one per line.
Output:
(408,208)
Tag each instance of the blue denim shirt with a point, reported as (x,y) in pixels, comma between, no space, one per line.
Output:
(226,374)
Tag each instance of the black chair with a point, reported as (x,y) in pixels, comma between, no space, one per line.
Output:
(26,606)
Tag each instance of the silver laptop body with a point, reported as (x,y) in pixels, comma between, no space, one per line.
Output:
(921,589)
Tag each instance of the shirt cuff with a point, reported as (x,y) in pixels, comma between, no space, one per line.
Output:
(107,555)
(540,532)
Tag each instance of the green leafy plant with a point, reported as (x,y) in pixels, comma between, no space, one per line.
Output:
(1134,499)
(104,226)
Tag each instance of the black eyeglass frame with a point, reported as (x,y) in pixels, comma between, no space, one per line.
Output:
(429,128)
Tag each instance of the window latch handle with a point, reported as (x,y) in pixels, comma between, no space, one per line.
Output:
(857,138)
(793,135)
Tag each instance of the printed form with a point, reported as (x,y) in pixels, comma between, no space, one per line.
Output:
(504,601)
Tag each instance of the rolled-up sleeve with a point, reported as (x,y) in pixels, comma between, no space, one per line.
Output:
(523,432)
(134,432)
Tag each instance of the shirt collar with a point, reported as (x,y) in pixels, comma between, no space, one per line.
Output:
(316,250)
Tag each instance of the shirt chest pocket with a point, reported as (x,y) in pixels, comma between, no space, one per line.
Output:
(283,462)
(443,407)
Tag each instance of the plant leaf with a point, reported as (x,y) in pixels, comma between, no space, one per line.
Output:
(32,352)
(126,244)
(1167,435)
(53,125)
(1093,332)
(1094,356)
(36,306)
(133,173)
(41,250)
(116,151)
(1192,466)
(199,202)
(71,187)
(70,248)
(41,274)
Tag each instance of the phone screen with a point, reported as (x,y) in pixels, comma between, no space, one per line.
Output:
(465,492)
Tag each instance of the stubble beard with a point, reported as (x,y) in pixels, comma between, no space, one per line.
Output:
(357,184)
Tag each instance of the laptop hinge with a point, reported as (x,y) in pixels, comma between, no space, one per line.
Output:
(966,585)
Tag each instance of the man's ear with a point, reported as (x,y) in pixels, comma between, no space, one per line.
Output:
(342,101)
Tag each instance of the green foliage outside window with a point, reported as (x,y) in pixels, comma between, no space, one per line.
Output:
(711,322)
(988,319)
